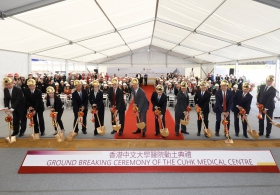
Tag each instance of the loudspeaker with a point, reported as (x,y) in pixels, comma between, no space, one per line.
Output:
(96,70)
(231,71)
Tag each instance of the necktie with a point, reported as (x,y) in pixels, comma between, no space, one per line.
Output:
(10,92)
(158,98)
(95,94)
(265,88)
(224,102)
(202,94)
(81,95)
(243,95)
(114,97)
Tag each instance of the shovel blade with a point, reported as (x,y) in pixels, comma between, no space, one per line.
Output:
(57,137)
(101,130)
(184,122)
(275,124)
(208,133)
(62,136)
(34,136)
(141,125)
(71,136)
(164,132)
(117,127)
(229,141)
(10,140)
(253,133)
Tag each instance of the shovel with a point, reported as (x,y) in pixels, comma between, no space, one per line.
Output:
(117,126)
(164,131)
(101,129)
(272,122)
(228,140)
(206,131)
(33,136)
(184,121)
(59,136)
(10,139)
(140,125)
(71,136)
(252,133)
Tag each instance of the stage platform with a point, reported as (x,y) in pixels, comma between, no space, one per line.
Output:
(126,143)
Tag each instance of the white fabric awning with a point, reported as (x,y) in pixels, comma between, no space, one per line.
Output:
(94,30)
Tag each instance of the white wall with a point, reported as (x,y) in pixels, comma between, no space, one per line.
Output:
(12,62)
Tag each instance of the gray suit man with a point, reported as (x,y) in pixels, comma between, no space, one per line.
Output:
(180,108)
(142,103)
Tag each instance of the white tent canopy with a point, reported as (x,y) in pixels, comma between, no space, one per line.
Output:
(202,31)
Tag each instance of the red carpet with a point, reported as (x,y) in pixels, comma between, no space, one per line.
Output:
(130,122)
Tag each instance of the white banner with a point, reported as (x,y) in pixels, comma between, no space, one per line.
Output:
(149,158)
(151,72)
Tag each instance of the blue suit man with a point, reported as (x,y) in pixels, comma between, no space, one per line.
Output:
(241,99)
(223,105)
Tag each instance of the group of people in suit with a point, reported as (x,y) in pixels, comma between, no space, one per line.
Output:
(30,100)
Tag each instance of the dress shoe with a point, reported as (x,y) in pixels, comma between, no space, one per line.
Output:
(21,134)
(267,136)
(236,135)
(113,132)
(245,135)
(14,134)
(55,133)
(217,134)
(143,134)
(43,133)
(120,133)
(85,132)
(260,134)
(156,134)
(185,132)
(95,134)
(206,135)
(198,134)
(137,131)
(177,134)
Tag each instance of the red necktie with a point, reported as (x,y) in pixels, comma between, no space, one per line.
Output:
(224,102)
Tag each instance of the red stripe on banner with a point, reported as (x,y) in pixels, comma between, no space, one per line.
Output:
(149,169)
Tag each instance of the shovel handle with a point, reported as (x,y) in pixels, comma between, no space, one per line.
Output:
(268,117)
(98,119)
(248,124)
(162,122)
(202,119)
(75,125)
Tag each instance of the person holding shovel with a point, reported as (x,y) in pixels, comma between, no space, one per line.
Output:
(80,103)
(241,99)
(54,103)
(266,97)
(96,101)
(14,101)
(202,99)
(159,101)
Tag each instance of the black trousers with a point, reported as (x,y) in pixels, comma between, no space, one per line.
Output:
(19,119)
(39,115)
(84,127)
(205,120)
(121,120)
(218,121)
(156,122)
(268,124)
(236,124)
(59,121)
(178,117)
(146,81)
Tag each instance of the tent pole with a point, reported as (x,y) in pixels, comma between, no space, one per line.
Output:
(236,69)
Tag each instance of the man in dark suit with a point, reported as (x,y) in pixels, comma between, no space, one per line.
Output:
(159,101)
(202,99)
(80,102)
(96,100)
(14,100)
(142,103)
(241,99)
(33,99)
(116,99)
(266,97)
(181,108)
(223,105)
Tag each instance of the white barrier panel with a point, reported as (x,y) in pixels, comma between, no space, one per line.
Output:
(148,161)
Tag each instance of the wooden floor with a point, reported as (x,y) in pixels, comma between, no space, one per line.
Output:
(87,143)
